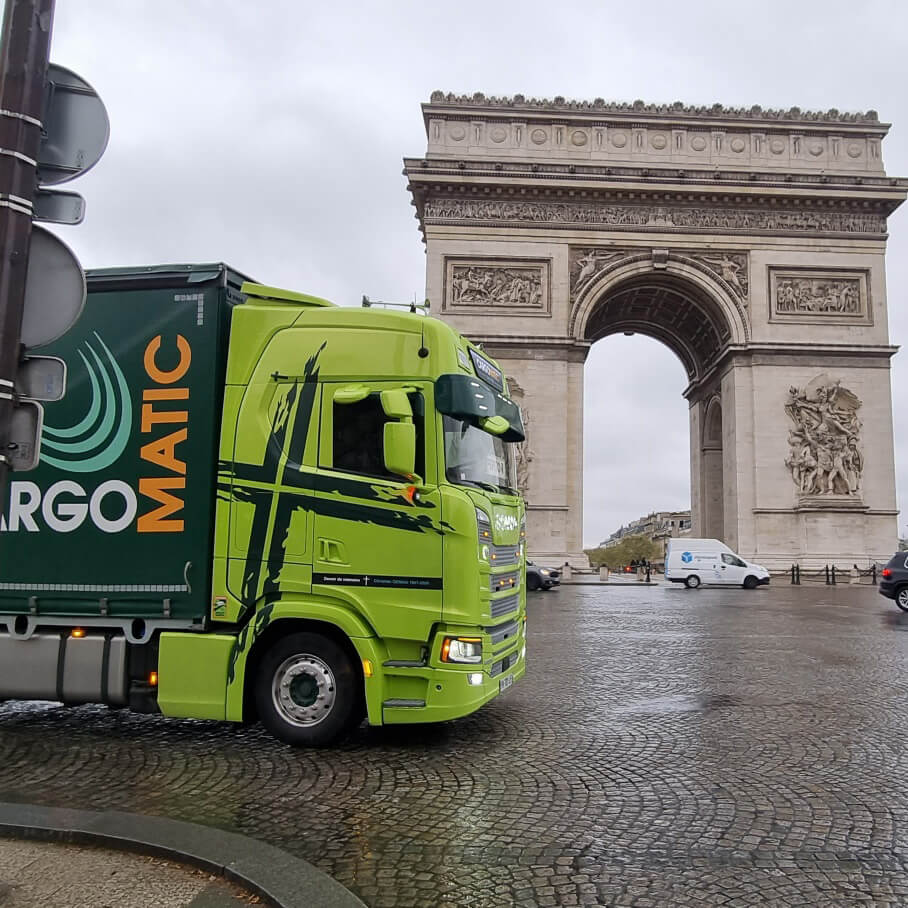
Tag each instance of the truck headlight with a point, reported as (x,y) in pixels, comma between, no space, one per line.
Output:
(461,649)
(484,525)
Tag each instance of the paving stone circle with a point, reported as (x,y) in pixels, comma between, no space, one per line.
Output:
(667,747)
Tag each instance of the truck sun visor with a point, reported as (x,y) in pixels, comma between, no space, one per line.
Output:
(465,397)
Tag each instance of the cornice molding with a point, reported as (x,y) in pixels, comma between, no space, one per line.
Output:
(793,116)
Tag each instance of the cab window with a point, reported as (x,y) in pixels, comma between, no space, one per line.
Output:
(731,559)
(358,437)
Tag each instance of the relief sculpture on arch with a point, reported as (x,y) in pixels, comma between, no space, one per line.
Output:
(825,456)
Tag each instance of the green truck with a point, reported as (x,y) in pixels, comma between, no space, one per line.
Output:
(254,504)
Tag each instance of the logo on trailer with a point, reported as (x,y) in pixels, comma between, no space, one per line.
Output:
(100,436)
(686,557)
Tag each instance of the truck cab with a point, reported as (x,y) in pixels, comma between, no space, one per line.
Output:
(353,544)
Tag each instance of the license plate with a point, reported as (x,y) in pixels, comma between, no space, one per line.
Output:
(505,683)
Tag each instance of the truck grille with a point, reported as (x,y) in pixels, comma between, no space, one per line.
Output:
(498,583)
(499,607)
(502,632)
(503,665)
(504,554)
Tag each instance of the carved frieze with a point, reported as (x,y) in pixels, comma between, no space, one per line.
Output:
(825,456)
(636,217)
(511,286)
(818,296)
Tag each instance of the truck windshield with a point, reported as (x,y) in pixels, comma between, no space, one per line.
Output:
(474,457)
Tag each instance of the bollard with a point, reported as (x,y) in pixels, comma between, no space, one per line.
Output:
(798,574)
(648,574)
(833,575)
(566,572)
(792,575)
(827,575)
(603,572)
(873,574)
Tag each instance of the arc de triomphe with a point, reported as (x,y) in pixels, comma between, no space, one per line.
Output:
(751,242)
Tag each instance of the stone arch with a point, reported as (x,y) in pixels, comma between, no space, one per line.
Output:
(700,317)
(686,271)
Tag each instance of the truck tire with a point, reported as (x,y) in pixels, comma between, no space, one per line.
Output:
(750,582)
(308,691)
(692,582)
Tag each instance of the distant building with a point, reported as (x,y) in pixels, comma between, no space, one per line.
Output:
(660,526)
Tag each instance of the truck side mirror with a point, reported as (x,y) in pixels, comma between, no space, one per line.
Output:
(396,404)
(400,448)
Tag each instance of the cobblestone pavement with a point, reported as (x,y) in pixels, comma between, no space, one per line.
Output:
(667,747)
(42,875)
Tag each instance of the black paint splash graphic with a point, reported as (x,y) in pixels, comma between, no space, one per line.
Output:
(295,490)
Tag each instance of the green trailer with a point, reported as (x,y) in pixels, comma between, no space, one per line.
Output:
(252,503)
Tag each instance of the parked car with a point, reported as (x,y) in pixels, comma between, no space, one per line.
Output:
(540,578)
(708,561)
(894,580)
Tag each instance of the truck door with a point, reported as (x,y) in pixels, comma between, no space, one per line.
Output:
(377,543)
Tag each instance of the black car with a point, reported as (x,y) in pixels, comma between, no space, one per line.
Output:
(540,578)
(894,580)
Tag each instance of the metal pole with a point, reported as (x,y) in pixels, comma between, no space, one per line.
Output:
(24,50)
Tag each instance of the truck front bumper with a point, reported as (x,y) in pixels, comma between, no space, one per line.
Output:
(449,693)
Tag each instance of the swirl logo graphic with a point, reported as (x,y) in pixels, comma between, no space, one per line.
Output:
(100,437)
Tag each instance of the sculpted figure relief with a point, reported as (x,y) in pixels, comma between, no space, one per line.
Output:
(825,456)
(819,295)
(733,269)
(487,285)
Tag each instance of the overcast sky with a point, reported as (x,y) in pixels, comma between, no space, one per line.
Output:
(270,135)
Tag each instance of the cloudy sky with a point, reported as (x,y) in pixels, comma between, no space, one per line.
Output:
(270,135)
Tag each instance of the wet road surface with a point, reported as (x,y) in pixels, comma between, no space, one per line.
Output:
(667,747)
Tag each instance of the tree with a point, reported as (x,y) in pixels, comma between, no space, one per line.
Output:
(631,548)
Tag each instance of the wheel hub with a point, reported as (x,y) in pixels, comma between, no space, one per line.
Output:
(304,690)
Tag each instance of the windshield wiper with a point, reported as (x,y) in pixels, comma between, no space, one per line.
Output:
(487,486)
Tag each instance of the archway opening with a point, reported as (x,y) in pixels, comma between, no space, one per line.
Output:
(662,458)
(636,457)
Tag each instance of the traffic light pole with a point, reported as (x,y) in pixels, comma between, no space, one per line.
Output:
(24,52)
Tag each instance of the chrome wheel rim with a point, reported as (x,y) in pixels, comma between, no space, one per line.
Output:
(304,690)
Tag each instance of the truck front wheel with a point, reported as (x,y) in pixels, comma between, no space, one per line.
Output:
(308,692)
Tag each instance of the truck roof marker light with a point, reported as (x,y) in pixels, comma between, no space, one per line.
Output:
(368,668)
(153,679)
(78,632)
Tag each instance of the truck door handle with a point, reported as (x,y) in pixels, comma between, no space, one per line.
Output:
(331,550)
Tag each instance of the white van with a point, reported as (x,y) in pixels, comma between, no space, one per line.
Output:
(696,561)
